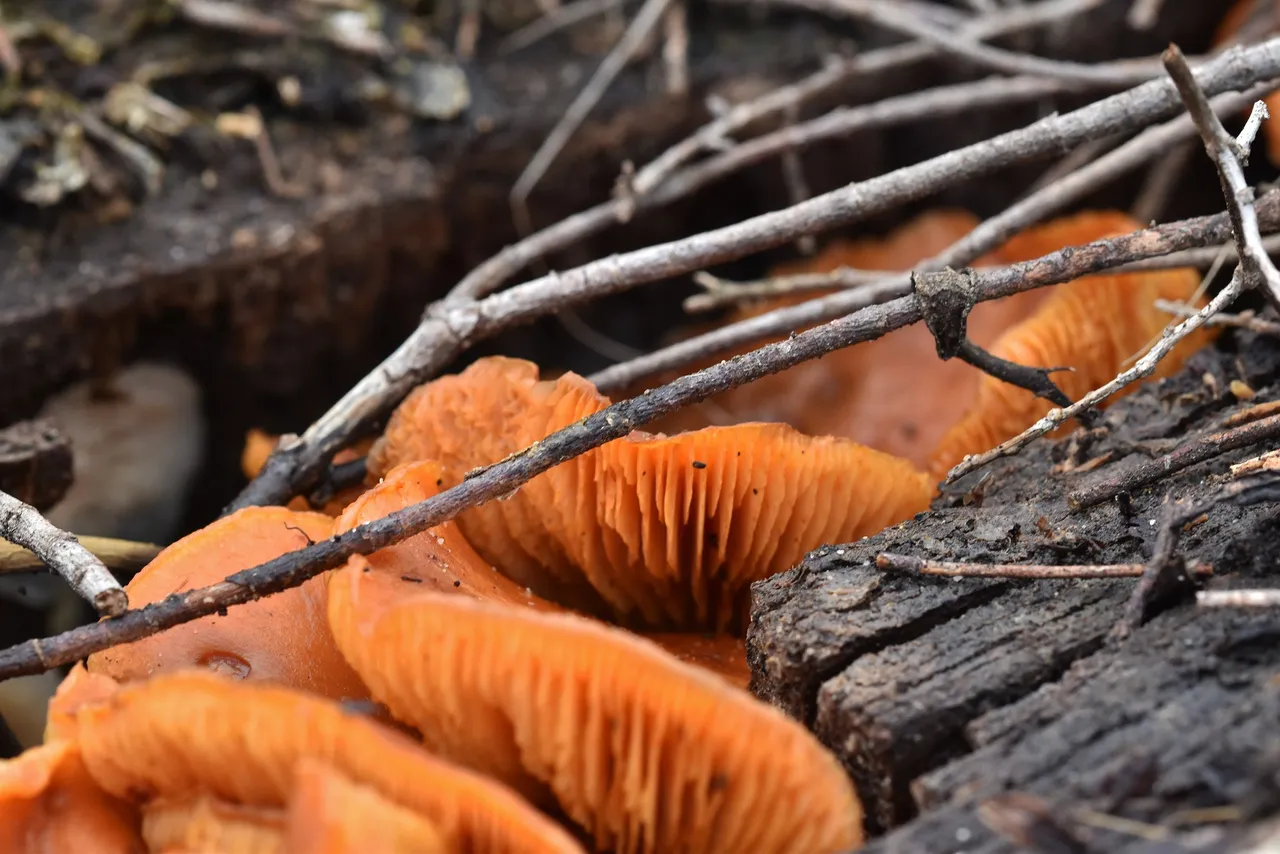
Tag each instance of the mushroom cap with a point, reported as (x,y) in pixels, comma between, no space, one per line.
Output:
(49,803)
(494,408)
(1093,324)
(439,558)
(282,638)
(180,735)
(646,753)
(205,823)
(330,814)
(670,531)
(78,688)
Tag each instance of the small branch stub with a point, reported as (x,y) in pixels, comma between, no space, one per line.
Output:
(22,524)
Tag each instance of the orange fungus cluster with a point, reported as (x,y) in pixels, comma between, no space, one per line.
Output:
(561,670)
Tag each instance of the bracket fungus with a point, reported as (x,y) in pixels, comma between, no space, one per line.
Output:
(646,753)
(178,736)
(282,638)
(668,532)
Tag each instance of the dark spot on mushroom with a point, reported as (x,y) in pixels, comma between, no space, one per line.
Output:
(411,579)
(699,465)
(439,481)
(719,782)
(457,583)
(755,492)
(222,612)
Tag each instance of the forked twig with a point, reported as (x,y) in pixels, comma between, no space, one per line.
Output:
(1254,264)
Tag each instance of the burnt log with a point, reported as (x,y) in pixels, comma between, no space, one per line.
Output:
(943,695)
(35,463)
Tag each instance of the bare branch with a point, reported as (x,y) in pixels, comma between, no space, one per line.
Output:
(22,525)
(987,236)
(116,555)
(553,21)
(638,31)
(1243,320)
(918,566)
(449,328)
(487,277)
(892,16)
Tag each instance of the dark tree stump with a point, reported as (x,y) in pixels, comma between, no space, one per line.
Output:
(939,693)
(35,463)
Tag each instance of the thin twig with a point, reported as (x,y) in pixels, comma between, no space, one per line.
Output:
(450,327)
(675,48)
(1195,451)
(990,234)
(553,21)
(918,566)
(1243,320)
(490,275)
(1083,155)
(1167,570)
(1229,154)
(637,33)
(117,555)
(22,525)
(1120,73)
(1238,598)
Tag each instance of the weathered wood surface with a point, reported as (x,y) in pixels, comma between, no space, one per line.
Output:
(938,693)
(35,462)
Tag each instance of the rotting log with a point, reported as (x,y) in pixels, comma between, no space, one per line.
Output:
(938,693)
(35,463)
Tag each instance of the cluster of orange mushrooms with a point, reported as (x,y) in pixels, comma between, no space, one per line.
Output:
(562,669)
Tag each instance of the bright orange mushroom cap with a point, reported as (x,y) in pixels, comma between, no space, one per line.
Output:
(49,804)
(181,735)
(670,531)
(283,638)
(205,823)
(644,752)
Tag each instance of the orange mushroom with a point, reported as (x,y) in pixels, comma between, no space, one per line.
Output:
(1239,18)
(669,531)
(646,753)
(283,638)
(49,803)
(1094,324)
(78,688)
(330,814)
(441,559)
(205,823)
(177,736)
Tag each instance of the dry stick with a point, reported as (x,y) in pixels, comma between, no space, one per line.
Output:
(637,33)
(614,422)
(919,566)
(22,525)
(1195,451)
(721,292)
(713,136)
(1082,156)
(1229,154)
(448,328)
(1253,263)
(892,16)
(553,21)
(675,48)
(1167,568)
(117,555)
(1238,598)
(990,234)
(1243,320)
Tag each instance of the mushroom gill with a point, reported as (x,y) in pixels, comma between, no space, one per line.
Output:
(283,638)
(177,736)
(1093,324)
(331,814)
(49,803)
(646,753)
(669,531)
(206,824)
(441,559)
